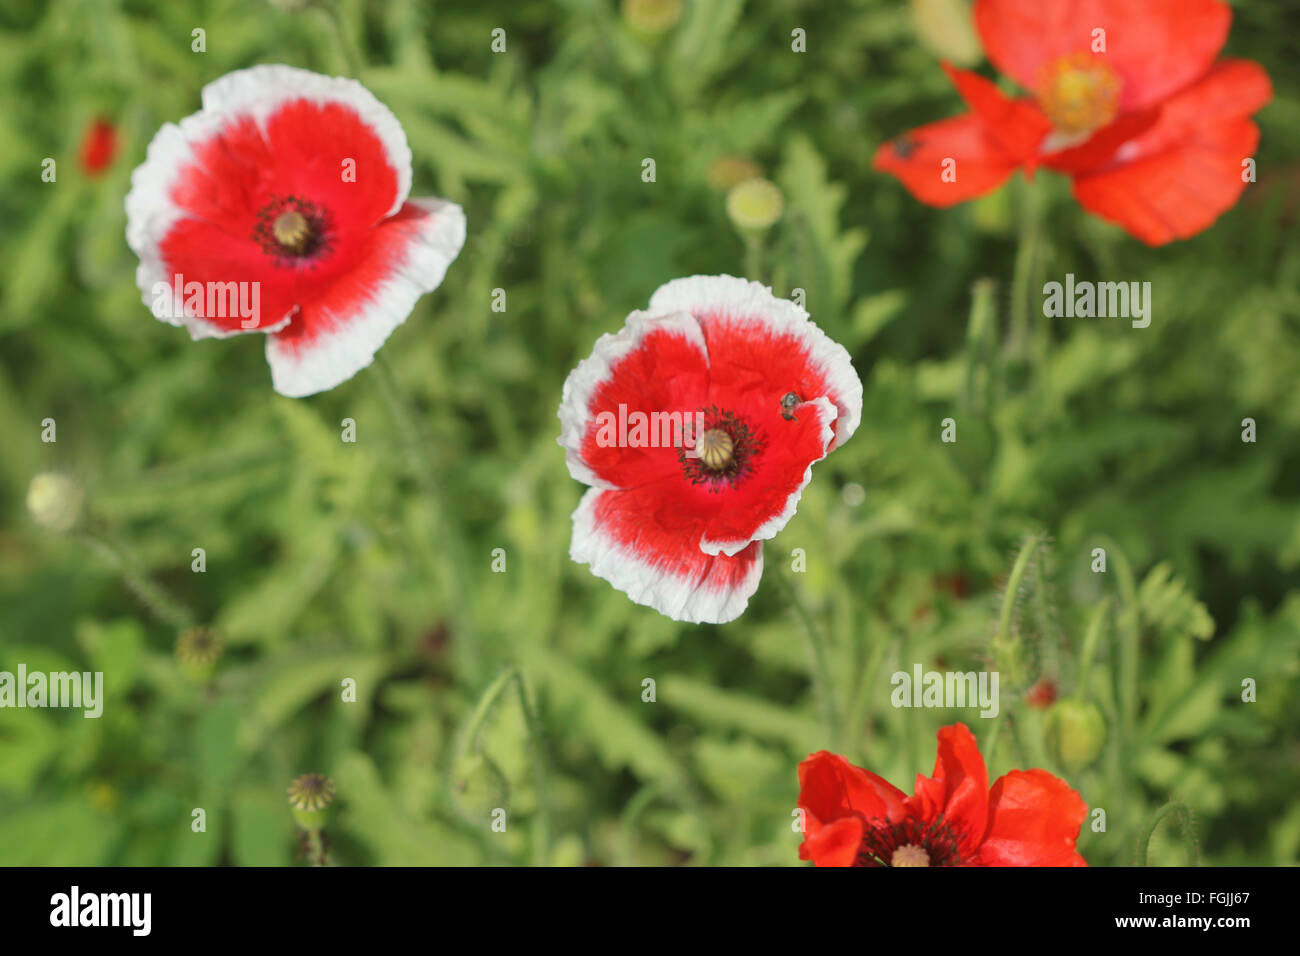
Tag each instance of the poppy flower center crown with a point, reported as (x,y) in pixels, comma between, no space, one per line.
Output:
(1079,93)
(291,228)
(724,451)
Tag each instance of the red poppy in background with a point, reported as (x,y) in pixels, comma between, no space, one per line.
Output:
(288,191)
(764,393)
(854,818)
(1128,99)
(98,147)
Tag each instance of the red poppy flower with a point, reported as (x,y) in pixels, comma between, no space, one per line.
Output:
(697,426)
(98,147)
(281,207)
(1128,100)
(1042,695)
(854,818)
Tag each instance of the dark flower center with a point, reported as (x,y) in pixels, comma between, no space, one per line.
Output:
(909,843)
(291,229)
(723,453)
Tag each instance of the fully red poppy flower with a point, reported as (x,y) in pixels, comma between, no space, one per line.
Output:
(854,818)
(1128,100)
(98,147)
(697,426)
(281,207)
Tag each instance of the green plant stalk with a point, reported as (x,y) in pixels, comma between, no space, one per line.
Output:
(1089,651)
(823,689)
(1018,568)
(168,609)
(1186,825)
(469,737)
(1027,255)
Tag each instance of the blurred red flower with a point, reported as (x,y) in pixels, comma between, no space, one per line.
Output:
(1129,101)
(98,147)
(854,818)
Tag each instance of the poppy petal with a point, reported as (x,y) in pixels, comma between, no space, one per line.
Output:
(1176,193)
(831,788)
(1034,820)
(638,540)
(757,341)
(919,159)
(336,333)
(655,365)
(1156,47)
(1017,126)
(958,790)
(831,844)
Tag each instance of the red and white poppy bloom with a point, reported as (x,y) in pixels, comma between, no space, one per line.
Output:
(676,518)
(281,207)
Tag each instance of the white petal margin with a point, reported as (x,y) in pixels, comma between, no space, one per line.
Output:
(773,525)
(743,300)
(150,215)
(261,91)
(258,92)
(345,344)
(651,585)
(586,377)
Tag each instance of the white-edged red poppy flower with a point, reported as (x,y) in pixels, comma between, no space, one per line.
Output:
(281,207)
(696,427)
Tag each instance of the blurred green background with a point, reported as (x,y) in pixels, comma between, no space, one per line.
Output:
(373,560)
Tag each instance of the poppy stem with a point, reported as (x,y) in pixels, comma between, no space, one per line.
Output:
(168,609)
(1027,257)
(1186,821)
(1090,639)
(823,689)
(333,17)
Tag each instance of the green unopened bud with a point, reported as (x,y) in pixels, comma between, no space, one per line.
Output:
(198,651)
(755,205)
(310,797)
(55,501)
(651,18)
(1075,732)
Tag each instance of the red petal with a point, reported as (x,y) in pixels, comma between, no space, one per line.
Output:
(958,790)
(341,323)
(834,844)
(640,541)
(1017,126)
(655,367)
(1177,193)
(1155,46)
(1034,820)
(918,160)
(831,788)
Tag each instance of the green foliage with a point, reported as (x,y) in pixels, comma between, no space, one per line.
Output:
(523,691)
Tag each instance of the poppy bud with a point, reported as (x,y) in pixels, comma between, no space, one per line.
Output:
(198,651)
(1075,732)
(98,147)
(55,501)
(755,205)
(310,796)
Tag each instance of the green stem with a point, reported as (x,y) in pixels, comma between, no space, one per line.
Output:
(823,689)
(1186,825)
(1090,639)
(469,739)
(1002,638)
(1027,256)
(166,608)
(753,255)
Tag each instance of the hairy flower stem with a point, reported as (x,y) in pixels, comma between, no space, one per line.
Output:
(168,609)
(823,689)
(1002,637)
(468,741)
(1187,827)
(1090,640)
(1028,255)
